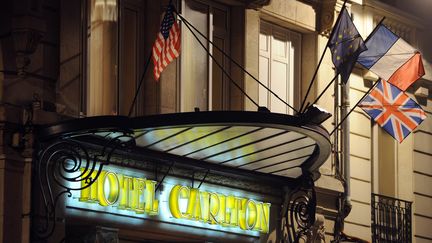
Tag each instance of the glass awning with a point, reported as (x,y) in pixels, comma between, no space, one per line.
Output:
(260,142)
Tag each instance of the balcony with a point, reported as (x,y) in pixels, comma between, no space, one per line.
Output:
(391,219)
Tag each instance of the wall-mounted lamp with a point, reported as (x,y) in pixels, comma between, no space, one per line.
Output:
(25,43)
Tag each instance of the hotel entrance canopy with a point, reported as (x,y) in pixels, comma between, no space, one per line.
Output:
(281,150)
(241,142)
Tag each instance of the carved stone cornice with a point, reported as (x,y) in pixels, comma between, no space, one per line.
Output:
(401,29)
(325,12)
(257,3)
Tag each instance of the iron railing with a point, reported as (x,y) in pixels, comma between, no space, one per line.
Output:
(391,219)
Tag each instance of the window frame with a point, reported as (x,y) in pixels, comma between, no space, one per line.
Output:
(293,62)
(138,6)
(225,96)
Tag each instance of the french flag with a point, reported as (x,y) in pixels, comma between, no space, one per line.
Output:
(391,58)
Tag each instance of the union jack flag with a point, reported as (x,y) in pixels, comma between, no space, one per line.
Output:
(393,110)
(167,45)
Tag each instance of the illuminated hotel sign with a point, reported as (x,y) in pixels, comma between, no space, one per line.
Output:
(214,208)
(125,194)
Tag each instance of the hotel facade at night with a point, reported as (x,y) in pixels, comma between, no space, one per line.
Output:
(93,150)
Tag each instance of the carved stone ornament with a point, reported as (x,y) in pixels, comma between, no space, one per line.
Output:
(325,14)
(318,230)
(25,44)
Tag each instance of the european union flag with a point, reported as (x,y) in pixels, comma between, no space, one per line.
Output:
(346,44)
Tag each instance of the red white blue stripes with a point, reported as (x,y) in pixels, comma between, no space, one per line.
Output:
(167,45)
(393,110)
(387,54)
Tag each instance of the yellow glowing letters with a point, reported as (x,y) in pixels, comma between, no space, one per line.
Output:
(228,211)
(138,195)
(131,193)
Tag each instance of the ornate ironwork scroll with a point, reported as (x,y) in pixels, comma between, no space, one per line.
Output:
(66,165)
(300,208)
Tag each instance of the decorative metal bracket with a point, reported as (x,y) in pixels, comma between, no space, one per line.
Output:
(66,165)
(299,211)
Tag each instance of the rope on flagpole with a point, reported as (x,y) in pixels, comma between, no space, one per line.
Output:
(214,59)
(233,61)
(321,59)
(352,109)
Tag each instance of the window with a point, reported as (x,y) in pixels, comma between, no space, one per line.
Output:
(203,83)
(279,66)
(113,55)
(102,57)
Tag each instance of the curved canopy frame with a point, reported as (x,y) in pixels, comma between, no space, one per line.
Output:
(268,143)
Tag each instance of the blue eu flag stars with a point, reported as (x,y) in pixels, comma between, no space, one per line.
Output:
(346,44)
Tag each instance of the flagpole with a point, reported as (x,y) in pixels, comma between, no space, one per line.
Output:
(139,85)
(352,109)
(367,38)
(233,61)
(321,59)
(375,29)
(334,78)
(143,75)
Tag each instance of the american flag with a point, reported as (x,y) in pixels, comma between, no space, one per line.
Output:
(167,45)
(393,110)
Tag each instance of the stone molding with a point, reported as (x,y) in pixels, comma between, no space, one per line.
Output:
(325,11)
(257,3)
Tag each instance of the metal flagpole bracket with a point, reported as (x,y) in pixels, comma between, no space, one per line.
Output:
(160,184)
(64,165)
